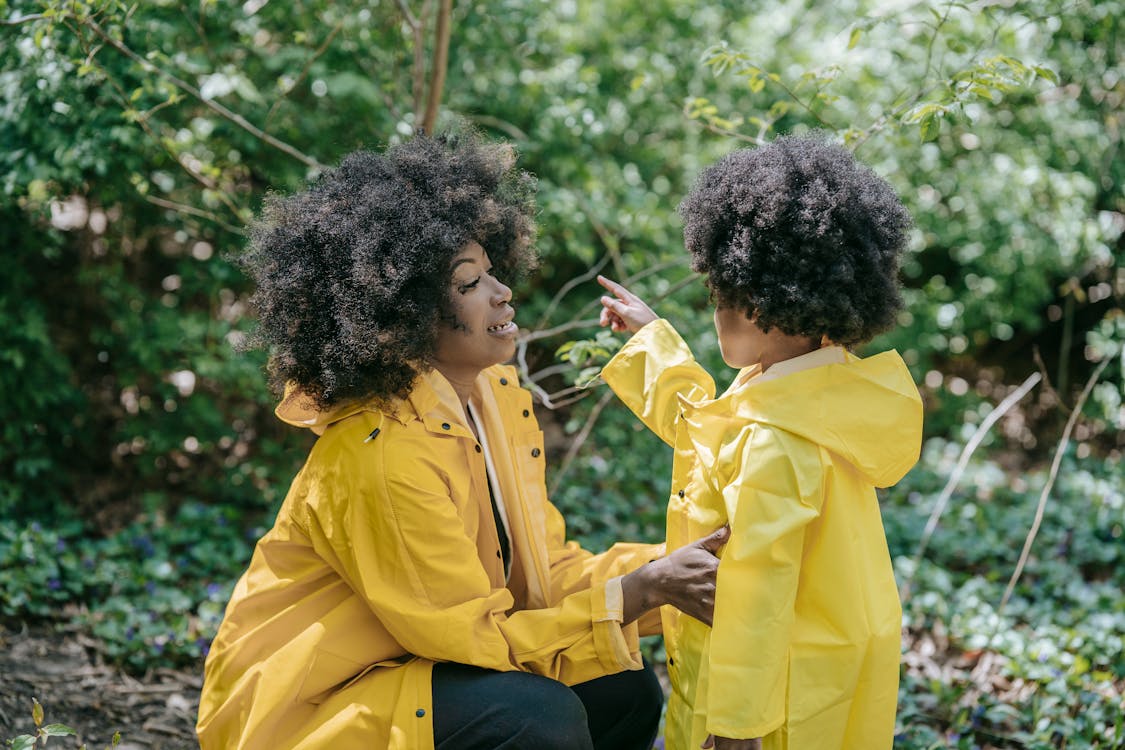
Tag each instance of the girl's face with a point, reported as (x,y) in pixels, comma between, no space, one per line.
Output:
(743,343)
(740,340)
(485,333)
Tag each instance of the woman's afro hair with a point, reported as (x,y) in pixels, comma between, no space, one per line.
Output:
(800,234)
(353,274)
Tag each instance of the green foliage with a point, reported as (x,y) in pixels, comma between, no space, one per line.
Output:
(1058,645)
(43,732)
(136,141)
(153,593)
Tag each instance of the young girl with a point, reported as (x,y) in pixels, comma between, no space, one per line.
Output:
(800,247)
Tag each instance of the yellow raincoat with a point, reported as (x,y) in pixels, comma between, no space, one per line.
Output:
(385,558)
(806,639)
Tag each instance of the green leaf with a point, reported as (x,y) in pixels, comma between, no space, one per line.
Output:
(931,126)
(36,712)
(1047,74)
(56,730)
(23,742)
(853,40)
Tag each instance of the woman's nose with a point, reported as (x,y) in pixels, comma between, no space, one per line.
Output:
(502,294)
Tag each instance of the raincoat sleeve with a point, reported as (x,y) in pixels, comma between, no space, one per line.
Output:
(387,525)
(774,493)
(651,371)
(574,568)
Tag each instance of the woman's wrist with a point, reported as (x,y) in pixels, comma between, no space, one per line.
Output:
(640,591)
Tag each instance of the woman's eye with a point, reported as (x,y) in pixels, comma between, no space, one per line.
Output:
(469,286)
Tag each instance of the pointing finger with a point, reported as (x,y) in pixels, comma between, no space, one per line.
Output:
(614,287)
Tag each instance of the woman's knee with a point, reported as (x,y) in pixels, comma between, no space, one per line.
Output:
(507,710)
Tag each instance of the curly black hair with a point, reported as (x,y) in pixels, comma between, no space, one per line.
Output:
(353,273)
(802,235)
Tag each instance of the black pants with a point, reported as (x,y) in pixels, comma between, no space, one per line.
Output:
(479,709)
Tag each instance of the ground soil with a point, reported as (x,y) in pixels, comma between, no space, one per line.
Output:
(66,673)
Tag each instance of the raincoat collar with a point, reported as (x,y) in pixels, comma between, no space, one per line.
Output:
(865,410)
(431,400)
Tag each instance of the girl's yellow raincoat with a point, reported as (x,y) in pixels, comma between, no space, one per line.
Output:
(385,558)
(806,639)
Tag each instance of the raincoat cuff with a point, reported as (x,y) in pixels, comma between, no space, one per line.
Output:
(657,340)
(617,645)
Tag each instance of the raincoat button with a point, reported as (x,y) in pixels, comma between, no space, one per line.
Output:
(526,413)
(680,493)
(445,425)
(477,447)
(671,662)
(499,555)
(420,713)
(503,381)
(535,453)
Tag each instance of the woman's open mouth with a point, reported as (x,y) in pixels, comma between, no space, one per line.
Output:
(506,329)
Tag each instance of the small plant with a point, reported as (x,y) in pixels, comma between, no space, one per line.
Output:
(44,731)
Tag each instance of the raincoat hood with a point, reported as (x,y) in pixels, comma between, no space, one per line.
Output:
(867,411)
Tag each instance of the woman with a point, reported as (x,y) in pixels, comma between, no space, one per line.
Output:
(416,590)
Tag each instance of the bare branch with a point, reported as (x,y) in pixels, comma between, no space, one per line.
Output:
(441,61)
(580,440)
(1051,476)
(504,126)
(993,417)
(411,21)
(23,19)
(181,208)
(316,55)
(565,289)
(187,88)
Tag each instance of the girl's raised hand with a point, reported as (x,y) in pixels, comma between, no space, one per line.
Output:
(624,311)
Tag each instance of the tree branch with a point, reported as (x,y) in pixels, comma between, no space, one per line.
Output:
(1051,476)
(580,440)
(304,72)
(441,61)
(23,20)
(187,88)
(993,417)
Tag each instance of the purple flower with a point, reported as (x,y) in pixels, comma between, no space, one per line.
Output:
(54,584)
(213,589)
(60,545)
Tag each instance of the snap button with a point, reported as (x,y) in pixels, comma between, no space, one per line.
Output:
(420,713)
(535,453)
(503,381)
(445,425)
(526,413)
(680,493)
(477,447)
(498,554)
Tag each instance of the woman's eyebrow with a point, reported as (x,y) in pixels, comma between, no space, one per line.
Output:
(459,261)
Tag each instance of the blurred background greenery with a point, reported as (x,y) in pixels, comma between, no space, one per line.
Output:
(139,458)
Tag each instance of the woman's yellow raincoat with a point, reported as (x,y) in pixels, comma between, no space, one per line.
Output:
(806,639)
(385,558)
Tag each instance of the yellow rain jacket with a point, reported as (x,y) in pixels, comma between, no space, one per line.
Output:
(806,639)
(385,558)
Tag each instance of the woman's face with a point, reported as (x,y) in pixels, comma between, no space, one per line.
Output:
(485,333)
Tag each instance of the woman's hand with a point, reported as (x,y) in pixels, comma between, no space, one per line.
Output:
(722,743)
(624,311)
(685,579)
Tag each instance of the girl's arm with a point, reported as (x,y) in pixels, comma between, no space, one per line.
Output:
(655,368)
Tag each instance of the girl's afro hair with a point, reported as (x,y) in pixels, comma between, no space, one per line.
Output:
(353,274)
(802,235)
